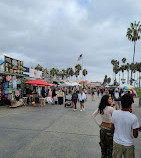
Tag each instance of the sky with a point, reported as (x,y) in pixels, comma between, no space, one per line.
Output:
(53,33)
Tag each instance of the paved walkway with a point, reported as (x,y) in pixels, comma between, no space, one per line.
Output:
(52,132)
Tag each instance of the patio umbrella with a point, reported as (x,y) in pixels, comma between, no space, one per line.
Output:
(134,92)
(38,82)
(130,88)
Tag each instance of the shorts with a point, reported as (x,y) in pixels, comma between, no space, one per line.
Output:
(82,101)
(121,150)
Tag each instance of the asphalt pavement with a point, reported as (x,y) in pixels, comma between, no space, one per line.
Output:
(53,131)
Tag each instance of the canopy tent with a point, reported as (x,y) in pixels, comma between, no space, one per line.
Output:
(38,82)
(67,84)
(83,81)
(75,84)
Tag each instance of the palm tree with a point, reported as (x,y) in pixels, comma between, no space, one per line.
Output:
(68,72)
(53,72)
(76,73)
(127,67)
(39,67)
(109,80)
(63,73)
(116,69)
(133,35)
(122,68)
(45,72)
(139,70)
(84,72)
(124,60)
(71,72)
(78,67)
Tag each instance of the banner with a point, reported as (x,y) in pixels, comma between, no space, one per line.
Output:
(35,73)
(13,65)
(1,66)
(26,71)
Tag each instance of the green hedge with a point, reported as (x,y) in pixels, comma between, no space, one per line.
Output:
(138,92)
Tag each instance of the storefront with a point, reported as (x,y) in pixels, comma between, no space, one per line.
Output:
(11,88)
(11,82)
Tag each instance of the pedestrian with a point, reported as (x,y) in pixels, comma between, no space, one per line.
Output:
(82,98)
(98,91)
(125,127)
(86,92)
(53,95)
(105,109)
(102,91)
(117,99)
(43,92)
(74,99)
(92,93)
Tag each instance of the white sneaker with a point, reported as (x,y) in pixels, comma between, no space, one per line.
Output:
(81,110)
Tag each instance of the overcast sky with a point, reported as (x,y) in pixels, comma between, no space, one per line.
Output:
(54,33)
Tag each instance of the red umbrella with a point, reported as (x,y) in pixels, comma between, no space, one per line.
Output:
(39,82)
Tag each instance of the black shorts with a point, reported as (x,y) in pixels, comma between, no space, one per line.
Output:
(82,101)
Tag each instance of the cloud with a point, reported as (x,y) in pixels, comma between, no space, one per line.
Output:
(54,33)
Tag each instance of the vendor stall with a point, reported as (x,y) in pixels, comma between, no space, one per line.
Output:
(39,84)
(11,82)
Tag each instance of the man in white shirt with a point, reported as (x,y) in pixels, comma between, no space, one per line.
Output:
(125,126)
(82,98)
(117,99)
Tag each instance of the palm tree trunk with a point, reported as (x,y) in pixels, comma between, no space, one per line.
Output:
(139,79)
(127,77)
(119,77)
(134,51)
(133,61)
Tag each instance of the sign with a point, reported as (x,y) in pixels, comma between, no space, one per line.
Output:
(1,66)
(13,65)
(95,84)
(26,71)
(35,73)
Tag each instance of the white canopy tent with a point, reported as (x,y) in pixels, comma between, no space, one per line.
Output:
(67,84)
(75,84)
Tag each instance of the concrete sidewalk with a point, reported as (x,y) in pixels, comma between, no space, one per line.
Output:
(53,132)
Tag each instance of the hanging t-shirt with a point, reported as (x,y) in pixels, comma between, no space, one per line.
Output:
(14,84)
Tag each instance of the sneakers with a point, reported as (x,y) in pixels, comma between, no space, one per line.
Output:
(81,110)
(74,109)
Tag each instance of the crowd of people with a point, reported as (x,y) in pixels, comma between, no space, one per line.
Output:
(119,125)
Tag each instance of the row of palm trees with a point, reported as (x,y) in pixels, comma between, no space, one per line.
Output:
(118,68)
(133,35)
(63,73)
